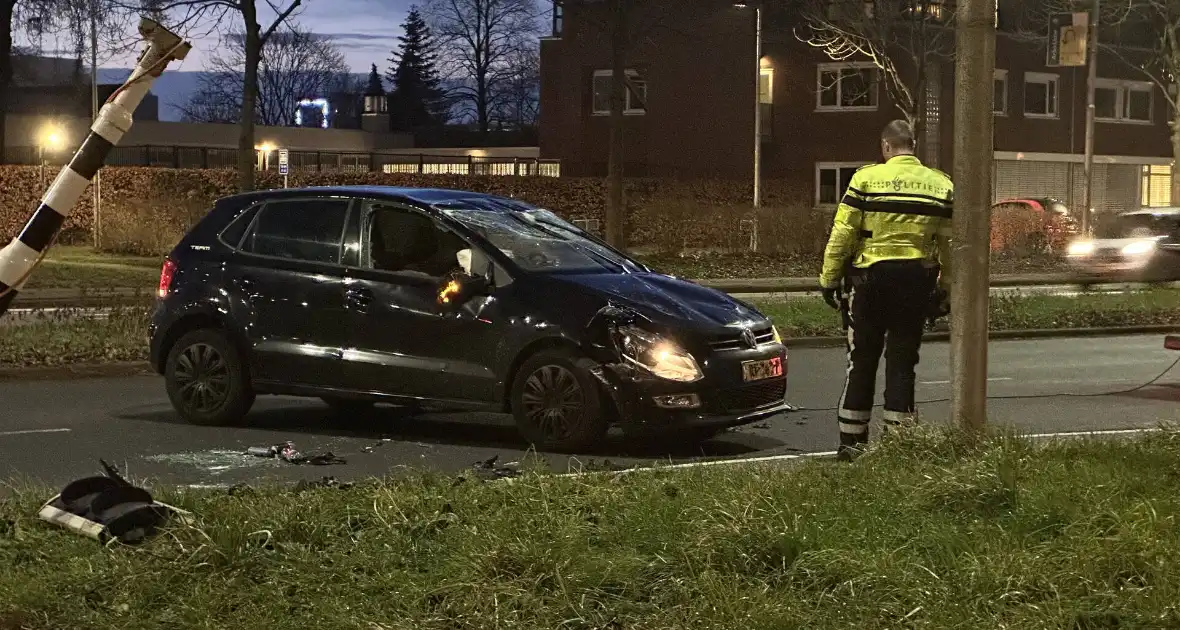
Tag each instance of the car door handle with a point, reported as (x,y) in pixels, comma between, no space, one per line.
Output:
(358,297)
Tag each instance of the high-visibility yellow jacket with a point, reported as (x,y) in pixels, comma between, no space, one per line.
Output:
(899,210)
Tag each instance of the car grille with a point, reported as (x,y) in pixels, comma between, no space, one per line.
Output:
(752,396)
(734,341)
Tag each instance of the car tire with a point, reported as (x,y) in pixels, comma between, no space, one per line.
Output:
(557,402)
(207,381)
(348,406)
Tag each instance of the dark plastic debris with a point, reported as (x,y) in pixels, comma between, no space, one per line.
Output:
(489,469)
(286,452)
(108,507)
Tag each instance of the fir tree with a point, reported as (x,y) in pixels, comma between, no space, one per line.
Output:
(417,99)
(375,86)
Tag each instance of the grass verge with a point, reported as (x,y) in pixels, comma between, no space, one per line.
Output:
(75,267)
(923,532)
(58,338)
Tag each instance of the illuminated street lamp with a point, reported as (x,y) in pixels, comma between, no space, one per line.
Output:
(50,138)
(264,151)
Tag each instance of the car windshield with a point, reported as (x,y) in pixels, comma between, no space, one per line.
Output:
(536,239)
(1144,226)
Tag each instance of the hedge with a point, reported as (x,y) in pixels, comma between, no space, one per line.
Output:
(146,210)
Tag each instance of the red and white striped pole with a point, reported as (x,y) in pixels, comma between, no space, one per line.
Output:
(21,256)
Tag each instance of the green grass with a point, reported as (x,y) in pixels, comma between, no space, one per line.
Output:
(79,267)
(808,317)
(723,266)
(57,339)
(923,532)
(75,267)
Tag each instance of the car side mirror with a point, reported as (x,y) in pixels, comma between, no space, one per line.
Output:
(458,289)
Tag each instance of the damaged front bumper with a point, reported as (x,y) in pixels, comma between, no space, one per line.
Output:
(648,403)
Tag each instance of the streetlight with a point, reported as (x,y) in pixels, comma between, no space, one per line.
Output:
(264,150)
(757,100)
(50,138)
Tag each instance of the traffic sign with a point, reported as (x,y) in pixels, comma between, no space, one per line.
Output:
(1068,35)
(284,163)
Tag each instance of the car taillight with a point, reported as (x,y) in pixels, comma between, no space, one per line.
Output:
(166,273)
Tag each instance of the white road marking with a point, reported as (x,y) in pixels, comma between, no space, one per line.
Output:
(32,431)
(990,380)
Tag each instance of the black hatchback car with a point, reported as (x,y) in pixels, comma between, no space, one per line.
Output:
(365,295)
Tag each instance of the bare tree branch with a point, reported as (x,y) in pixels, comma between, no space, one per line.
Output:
(295,64)
(903,39)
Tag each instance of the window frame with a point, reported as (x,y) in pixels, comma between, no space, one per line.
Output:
(1049,80)
(366,211)
(820,167)
(349,211)
(628,110)
(1122,103)
(1002,76)
(838,67)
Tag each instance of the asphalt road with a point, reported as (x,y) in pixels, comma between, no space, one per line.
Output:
(55,431)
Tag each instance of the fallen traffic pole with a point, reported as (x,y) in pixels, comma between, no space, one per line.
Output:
(20,257)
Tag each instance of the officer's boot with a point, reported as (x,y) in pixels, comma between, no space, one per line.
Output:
(899,420)
(852,444)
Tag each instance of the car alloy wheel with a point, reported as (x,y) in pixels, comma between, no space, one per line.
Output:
(202,379)
(207,380)
(554,401)
(557,403)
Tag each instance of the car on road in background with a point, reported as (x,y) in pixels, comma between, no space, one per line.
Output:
(365,295)
(1137,246)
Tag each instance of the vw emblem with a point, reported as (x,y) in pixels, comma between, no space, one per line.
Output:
(749,339)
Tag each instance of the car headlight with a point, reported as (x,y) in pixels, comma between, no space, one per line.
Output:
(1081,248)
(659,356)
(1139,248)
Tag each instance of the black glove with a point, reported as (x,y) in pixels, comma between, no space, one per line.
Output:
(832,297)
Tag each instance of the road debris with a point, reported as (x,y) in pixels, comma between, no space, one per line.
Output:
(286,452)
(488,469)
(108,508)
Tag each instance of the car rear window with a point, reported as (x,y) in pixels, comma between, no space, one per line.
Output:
(233,233)
(306,229)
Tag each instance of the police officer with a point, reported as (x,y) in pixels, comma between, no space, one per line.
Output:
(890,240)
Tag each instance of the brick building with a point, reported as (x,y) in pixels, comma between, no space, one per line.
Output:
(696,67)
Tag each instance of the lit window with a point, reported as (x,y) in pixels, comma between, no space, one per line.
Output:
(1156,187)
(766,100)
(846,86)
(1040,95)
(601,88)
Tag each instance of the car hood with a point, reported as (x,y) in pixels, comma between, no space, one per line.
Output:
(667,300)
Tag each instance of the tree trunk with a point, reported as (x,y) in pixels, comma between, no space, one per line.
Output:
(6,9)
(1175,124)
(616,214)
(247,156)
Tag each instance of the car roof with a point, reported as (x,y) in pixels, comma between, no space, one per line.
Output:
(424,196)
(1168,211)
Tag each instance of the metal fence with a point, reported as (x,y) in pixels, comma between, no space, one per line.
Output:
(405,162)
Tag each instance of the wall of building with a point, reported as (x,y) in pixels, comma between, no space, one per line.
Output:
(699,121)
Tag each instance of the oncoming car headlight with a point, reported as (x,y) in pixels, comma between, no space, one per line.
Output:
(1139,248)
(1081,248)
(659,356)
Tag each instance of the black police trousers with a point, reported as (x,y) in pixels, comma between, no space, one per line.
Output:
(887,307)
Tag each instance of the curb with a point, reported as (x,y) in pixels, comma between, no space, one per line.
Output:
(1035,333)
(75,372)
